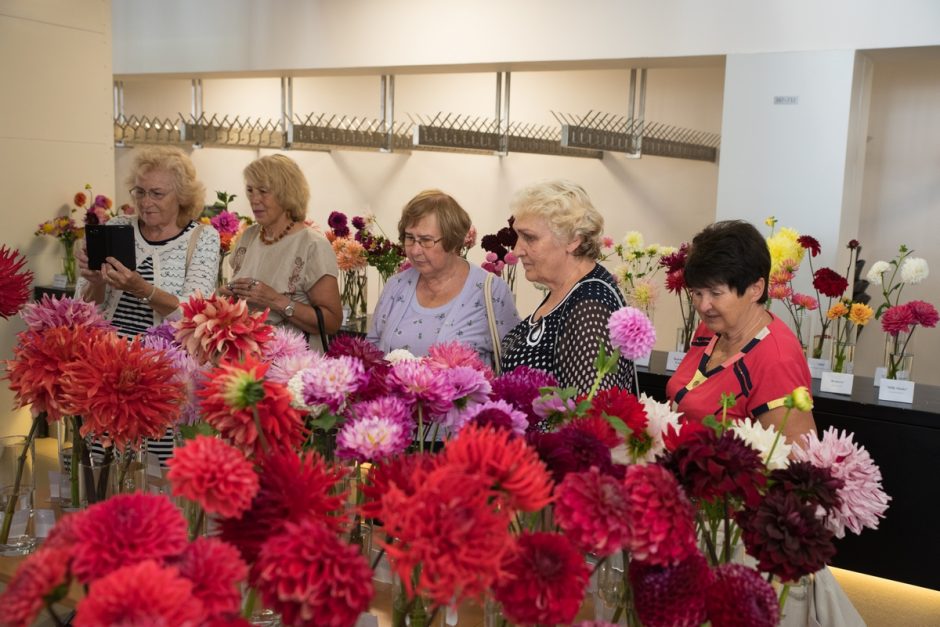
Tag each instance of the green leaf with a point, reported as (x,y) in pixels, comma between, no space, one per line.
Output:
(712,423)
(326,422)
(619,425)
(189,432)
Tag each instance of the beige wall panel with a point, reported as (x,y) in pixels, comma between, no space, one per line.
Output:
(84,15)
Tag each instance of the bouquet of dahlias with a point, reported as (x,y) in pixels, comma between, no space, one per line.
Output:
(899,322)
(639,266)
(675,283)
(850,317)
(500,260)
(382,253)
(787,249)
(912,270)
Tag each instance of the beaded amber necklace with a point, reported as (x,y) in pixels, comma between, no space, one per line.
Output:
(278,237)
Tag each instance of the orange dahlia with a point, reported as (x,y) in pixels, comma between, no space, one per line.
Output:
(124,389)
(216,327)
(249,411)
(39,362)
(350,255)
(509,465)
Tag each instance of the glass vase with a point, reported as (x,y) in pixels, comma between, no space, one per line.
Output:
(17,456)
(821,346)
(122,473)
(803,330)
(613,595)
(354,297)
(898,360)
(69,267)
(842,355)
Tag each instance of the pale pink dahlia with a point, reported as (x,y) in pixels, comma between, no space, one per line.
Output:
(285,342)
(283,369)
(632,332)
(420,384)
(62,312)
(863,499)
(373,438)
(497,413)
(591,508)
(448,355)
(214,474)
(328,384)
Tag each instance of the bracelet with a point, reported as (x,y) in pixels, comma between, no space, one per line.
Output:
(148,299)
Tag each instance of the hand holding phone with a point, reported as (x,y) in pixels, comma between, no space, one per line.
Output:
(110,240)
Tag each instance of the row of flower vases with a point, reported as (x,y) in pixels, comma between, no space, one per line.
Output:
(898,359)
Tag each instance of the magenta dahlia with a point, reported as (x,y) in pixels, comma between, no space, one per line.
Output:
(671,596)
(592,509)
(216,572)
(739,596)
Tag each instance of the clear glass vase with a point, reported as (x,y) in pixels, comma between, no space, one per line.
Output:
(69,267)
(17,456)
(354,296)
(898,360)
(842,354)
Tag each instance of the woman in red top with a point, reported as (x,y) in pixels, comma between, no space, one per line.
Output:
(740,348)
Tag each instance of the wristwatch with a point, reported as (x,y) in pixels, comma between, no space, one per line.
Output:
(289,310)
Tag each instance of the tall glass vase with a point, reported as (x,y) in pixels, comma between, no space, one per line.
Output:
(69,267)
(842,357)
(898,360)
(354,297)
(17,456)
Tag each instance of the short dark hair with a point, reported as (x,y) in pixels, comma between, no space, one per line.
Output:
(730,252)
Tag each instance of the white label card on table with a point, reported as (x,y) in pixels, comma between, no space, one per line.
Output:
(60,281)
(897,391)
(673,359)
(153,466)
(817,367)
(643,361)
(880,372)
(836,382)
(367,620)
(55,479)
(45,521)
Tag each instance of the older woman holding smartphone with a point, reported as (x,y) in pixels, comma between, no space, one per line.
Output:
(280,264)
(176,256)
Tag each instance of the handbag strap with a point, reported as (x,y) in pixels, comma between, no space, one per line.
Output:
(491,320)
(193,240)
(324,339)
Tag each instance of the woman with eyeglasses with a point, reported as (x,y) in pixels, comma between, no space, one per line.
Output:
(176,256)
(279,263)
(440,298)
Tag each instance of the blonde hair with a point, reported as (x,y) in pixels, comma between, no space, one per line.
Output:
(282,176)
(567,209)
(451,217)
(190,193)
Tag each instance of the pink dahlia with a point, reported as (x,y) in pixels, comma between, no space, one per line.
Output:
(216,327)
(35,578)
(283,370)
(779,291)
(252,413)
(898,319)
(15,280)
(738,595)
(545,580)
(285,342)
(521,387)
(420,384)
(327,385)
(141,594)
(124,530)
(500,414)
(805,301)
(924,313)
(292,488)
(447,355)
(216,572)
(863,501)
(510,467)
(214,474)
(62,312)
(591,508)
(308,575)
(671,596)
(374,437)
(659,515)
(631,332)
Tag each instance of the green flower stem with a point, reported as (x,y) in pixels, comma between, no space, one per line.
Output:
(249,607)
(420,429)
(783,596)
(783,424)
(20,466)
(264,440)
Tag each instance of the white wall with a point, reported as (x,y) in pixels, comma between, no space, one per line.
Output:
(55,131)
(181,36)
(667,199)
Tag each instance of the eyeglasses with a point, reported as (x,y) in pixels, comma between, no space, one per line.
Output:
(423,242)
(139,193)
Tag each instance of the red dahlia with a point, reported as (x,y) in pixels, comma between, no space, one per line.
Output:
(898,319)
(15,280)
(36,577)
(659,515)
(592,509)
(510,466)
(308,575)
(216,572)
(217,476)
(140,594)
(403,472)
(671,596)
(829,282)
(738,596)
(810,243)
(924,313)
(292,488)
(544,582)
(125,530)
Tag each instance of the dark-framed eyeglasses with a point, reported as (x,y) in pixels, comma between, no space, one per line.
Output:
(423,242)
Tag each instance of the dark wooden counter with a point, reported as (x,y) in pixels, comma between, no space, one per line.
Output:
(904,440)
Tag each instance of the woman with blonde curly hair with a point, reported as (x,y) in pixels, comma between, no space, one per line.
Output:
(559,241)
(279,263)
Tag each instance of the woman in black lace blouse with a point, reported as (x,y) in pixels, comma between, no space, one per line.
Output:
(559,242)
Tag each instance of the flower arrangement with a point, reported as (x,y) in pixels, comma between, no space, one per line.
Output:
(912,271)
(639,265)
(353,256)
(500,259)
(97,210)
(899,322)
(674,263)
(228,224)
(848,316)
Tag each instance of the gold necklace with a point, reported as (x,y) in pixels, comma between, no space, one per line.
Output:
(279,237)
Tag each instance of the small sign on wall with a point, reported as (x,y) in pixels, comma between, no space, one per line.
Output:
(786,100)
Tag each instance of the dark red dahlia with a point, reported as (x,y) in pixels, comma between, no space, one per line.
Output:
(924,313)
(623,405)
(671,596)
(785,536)
(810,243)
(545,580)
(573,450)
(813,484)
(829,282)
(519,387)
(591,508)
(676,260)
(739,597)
(359,222)
(710,466)
(853,244)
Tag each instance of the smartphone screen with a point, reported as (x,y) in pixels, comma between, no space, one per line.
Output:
(110,240)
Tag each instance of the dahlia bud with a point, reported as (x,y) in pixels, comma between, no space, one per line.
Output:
(800,398)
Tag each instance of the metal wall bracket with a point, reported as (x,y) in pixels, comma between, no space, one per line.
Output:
(234,132)
(144,130)
(327,132)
